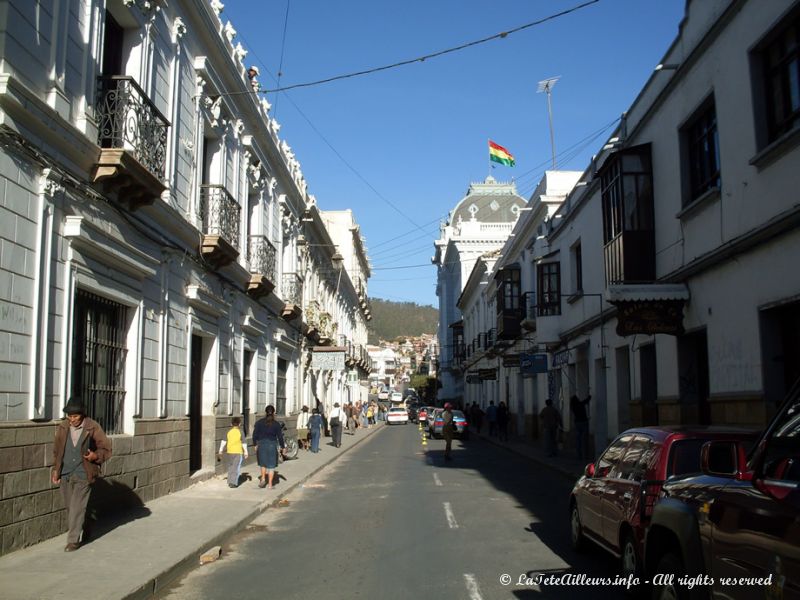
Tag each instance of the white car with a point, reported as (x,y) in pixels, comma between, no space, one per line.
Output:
(383,394)
(397,414)
(396,398)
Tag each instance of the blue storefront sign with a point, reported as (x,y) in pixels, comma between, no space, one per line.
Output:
(532,364)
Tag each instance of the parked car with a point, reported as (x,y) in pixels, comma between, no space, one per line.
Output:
(459,420)
(432,416)
(396,414)
(739,519)
(611,504)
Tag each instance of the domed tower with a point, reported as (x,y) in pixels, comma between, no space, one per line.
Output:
(481,221)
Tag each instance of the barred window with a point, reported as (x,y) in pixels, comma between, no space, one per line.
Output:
(98,358)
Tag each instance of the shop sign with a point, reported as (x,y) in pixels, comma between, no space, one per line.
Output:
(562,358)
(328,361)
(649,317)
(487,374)
(511,361)
(533,364)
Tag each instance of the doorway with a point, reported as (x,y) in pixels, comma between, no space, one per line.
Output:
(248,361)
(693,385)
(196,405)
(280,387)
(649,377)
(780,350)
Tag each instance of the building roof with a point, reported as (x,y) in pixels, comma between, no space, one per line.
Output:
(489,202)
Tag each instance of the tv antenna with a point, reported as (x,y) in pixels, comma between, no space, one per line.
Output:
(546,86)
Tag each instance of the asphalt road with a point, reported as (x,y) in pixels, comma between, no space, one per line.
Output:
(391,519)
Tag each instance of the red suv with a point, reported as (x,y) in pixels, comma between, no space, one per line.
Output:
(612,502)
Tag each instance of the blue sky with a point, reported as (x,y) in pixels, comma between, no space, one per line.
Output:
(400,147)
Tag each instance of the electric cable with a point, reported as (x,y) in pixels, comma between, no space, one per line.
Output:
(501,35)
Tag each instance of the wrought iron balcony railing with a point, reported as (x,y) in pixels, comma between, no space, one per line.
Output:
(220,213)
(129,121)
(292,289)
(261,255)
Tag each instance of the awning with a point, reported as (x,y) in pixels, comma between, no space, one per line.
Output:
(646,292)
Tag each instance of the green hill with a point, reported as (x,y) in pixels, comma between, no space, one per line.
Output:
(392,320)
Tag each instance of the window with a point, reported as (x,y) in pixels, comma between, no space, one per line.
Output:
(577,269)
(628,216)
(781,72)
(782,453)
(611,456)
(639,454)
(508,292)
(549,283)
(702,144)
(98,359)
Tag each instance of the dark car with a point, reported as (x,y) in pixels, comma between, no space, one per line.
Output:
(412,412)
(737,524)
(612,503)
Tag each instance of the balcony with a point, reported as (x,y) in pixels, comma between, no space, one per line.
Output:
(220,214)
(292,294)
(630,257)
(311,314)
(529,311)
(261,256)
(132,136)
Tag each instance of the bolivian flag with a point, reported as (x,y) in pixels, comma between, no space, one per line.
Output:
(499,154)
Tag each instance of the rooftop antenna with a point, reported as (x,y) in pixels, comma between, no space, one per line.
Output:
(546,86)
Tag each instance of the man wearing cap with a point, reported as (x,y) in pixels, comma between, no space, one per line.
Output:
(80,447)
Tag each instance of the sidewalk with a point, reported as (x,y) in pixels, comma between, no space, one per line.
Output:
(564,464)
(147,551)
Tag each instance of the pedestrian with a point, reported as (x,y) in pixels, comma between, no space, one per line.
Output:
(476,416)
(491,416)
(581,420)
(448,429)
(502,421)
(79,448)
(370,416)
(336,419)
(551,422)
(302,427)
(352,423)
(235,447)
(315,428)
(268,437)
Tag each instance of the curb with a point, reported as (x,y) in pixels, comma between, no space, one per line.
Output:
(571,477)
(161,581)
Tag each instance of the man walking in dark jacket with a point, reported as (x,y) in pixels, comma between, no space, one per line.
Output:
(80,447)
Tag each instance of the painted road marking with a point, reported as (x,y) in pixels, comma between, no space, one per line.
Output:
(451,519)
(437,480)
(472,587)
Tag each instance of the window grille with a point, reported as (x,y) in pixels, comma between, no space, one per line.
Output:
(98,358)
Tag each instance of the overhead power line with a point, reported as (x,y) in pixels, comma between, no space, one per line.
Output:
(497,36)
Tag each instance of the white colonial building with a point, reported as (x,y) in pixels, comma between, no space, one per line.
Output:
(665,285)
(481,221)
(154,255)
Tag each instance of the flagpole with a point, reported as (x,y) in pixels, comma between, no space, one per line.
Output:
(488,149)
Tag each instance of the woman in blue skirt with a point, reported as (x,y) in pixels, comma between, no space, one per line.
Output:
(268,437)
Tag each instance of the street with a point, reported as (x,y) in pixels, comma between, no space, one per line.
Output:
(392,519)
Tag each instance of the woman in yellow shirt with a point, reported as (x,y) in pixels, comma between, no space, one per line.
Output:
(235,446)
